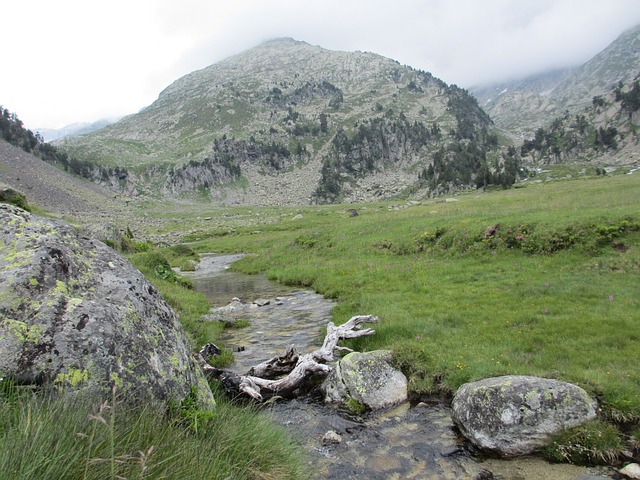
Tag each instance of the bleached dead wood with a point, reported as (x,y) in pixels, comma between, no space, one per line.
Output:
(300,371)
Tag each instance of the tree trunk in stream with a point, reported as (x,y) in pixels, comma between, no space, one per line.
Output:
(289,373)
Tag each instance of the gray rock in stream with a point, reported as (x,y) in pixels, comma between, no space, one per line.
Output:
(516,415)
(368,379)
(78,317)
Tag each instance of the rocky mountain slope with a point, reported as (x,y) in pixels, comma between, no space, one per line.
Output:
(56,191)
(523,106)
(604,133)
(291,123)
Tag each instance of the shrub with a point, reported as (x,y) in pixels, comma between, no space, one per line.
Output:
(13,197)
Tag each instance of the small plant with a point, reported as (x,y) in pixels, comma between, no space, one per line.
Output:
(355,407)
(224,359)
(239,323)
(595,442)
(187,266)
(140,247)
(14,197)
(189,413)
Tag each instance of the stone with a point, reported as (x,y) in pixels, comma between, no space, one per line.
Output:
(331,438)
(631,471)
(516,415)
(261,302)
(232,306)
(368,379)
(108,233)
(79,318)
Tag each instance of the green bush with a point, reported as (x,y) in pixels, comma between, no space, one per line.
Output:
(155,264)
(13,197)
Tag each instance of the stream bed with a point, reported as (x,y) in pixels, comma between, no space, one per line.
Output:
(406,442)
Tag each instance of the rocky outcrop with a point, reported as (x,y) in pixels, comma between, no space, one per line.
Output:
(76,316)
(516,415)
(368,379)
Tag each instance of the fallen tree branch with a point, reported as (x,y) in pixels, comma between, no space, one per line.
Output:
(300,371)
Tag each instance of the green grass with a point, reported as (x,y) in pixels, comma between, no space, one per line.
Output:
(595,442)
(59,439)
(554,292)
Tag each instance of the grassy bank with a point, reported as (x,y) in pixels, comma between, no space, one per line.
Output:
(541,280)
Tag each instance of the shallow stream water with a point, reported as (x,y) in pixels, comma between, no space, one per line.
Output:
(407,442)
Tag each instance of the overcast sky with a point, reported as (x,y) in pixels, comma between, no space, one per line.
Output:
(66,61)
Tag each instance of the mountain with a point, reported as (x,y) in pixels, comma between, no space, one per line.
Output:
(291,123)
(75,129)
(523,106)
(603,133)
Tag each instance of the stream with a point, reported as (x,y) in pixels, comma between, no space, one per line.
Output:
(406,442)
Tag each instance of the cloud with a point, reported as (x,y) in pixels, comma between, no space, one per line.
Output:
(73,60)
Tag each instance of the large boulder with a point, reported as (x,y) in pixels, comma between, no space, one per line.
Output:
(77,316)
(368,379)
(516,415)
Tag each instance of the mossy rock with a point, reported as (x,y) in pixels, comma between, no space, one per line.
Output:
(78,317)
(366,380)
(517,415)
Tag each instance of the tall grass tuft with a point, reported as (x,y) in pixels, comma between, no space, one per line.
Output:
(61,438)
(596,442)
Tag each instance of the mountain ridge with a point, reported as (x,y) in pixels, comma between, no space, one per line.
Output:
(521,106)
(314,124)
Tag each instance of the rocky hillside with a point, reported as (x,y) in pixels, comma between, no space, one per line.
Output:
(523,106)
(291,123)
(604,133)
(52,189)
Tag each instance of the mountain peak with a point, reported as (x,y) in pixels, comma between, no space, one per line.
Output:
(283,40)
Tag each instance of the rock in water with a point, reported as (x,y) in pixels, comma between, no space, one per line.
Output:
(367,378)
(77,316)
(631,471)
(516,415)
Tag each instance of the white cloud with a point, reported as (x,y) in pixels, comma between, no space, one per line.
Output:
(73,60)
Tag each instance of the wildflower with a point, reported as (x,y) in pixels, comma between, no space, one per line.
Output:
(611,297)
(546,310)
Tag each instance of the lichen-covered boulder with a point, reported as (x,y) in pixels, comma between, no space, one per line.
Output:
(79,317)
(368,379)
(516,415)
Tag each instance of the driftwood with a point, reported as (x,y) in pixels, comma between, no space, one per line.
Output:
(289,373)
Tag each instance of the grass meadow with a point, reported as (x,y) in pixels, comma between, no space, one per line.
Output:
(542,280)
